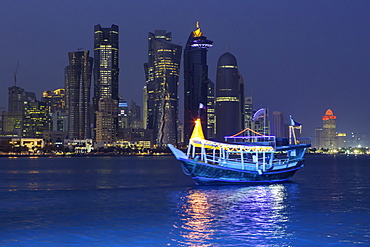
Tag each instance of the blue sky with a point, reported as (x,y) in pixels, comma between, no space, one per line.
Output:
(298,57)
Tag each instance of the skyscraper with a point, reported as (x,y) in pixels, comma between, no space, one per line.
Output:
(13,119)
(106,73)
(162,79)
(35,120)
(16,98)
(77,85)
(248,112)
(196,82)
(278,126)
(211,119)
(329,129)
(228,97)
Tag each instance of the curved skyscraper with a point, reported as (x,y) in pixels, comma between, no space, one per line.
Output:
(195,81)
(228,97)
(162,79)
(78,83)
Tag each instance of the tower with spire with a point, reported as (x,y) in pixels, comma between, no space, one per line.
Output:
(196,82)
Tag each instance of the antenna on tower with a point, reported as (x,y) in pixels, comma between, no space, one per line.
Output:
(79,49)
(15,74)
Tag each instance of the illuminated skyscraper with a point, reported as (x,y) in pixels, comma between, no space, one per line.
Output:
(77,85)
(196,83)
(105,63)
(55,100)
(329,129)
(162,79)
(211,119)
(228,97)
(35,120)
(248,112)
(106,73)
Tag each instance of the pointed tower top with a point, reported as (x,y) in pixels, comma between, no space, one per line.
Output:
(197,32)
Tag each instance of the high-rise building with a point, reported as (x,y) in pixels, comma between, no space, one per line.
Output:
(123,114)
(106,73)
(55,100)
(13,119)
(248,112)
(329,130)
(16,98)
(77,85)
(162,79)
(106,69)
(106,122)
(318,138)
(261,121)
(241,100)
(135,116)
(196,81)
(145,107)
(278,126)
(35,120)
(228,97)
(211,119)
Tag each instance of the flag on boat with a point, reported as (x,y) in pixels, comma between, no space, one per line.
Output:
(294,123)
(260,113)
(201,106)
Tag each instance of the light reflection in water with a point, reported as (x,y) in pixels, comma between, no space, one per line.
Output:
(255,215)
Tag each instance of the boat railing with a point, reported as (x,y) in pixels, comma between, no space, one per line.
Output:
(252,140)
(303,140)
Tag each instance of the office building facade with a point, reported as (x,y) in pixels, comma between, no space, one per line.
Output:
(329,130)
(77,84)
(106,72)
(162,79)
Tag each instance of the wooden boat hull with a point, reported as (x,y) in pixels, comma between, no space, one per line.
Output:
(208,174)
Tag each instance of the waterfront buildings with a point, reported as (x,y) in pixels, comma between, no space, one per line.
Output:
(35,120)
(197,87)
(228,97)
(106,71)
(55,100)
(13,119)
(77,85)
(162,78)
(326,136)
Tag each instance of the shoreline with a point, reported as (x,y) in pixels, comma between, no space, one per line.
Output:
(77,155)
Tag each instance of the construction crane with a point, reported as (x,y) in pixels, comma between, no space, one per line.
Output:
(15,74)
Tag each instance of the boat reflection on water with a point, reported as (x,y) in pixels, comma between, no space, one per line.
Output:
(255,215)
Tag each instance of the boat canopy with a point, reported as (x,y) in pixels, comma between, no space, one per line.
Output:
(197,140)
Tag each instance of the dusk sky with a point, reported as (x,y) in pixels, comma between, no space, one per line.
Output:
(298,57)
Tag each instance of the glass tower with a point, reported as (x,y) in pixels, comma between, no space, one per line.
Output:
(162,79)
(77,85)
(196,82)
(228,97)
(106,73)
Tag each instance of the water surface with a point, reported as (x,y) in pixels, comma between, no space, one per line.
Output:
(147,201)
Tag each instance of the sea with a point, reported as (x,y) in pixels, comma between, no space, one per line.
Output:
(148,201)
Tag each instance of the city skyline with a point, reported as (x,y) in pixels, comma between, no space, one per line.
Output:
(299,58)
